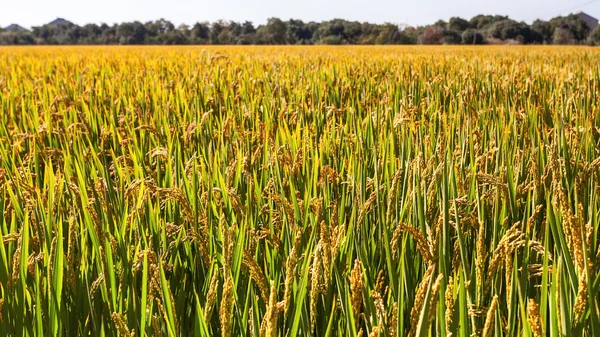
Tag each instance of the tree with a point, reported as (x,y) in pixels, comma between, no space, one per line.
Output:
(276,31)
(179,36)
(576,26)
(353,31)
(568,29)
(44,34)
(200,33)
(248,28)
(472,36)
(409,35)
(161,32)
(451,37)
(16,38)
(458,24)
(91,34)
(247,33)
(482,22)
(331,40)
(235,29)
(544,31)
(334,28)
(432,35)
(225,37)
(298,32)
(510,30)
(215,30)
(440,24)
(594,38)
(387,34)
(131,33)
(108,35)
(563,36)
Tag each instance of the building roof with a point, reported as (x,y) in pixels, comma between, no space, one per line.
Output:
(15,28)
(60,21)
(586,15)
(591,21)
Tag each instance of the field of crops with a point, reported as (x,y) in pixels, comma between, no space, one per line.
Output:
(283,191)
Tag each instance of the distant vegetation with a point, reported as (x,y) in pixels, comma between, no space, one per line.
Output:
(482,29)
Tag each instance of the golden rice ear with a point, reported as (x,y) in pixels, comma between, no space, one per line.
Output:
(257,275)
(435,291)
(290,271)
(420,299)
(211,296)
(272,313)
(226,307)
(533,312)
(488,327)
(449,296)
(316,283)
(121,326)
(356,288)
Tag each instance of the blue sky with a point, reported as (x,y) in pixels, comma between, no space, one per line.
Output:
(414,12)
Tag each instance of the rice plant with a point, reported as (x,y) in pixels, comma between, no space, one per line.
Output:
(298,191)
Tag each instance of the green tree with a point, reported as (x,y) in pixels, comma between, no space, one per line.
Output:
(472,36)
(331,40)
(544,30)
(108,35)
(563,36)
(215,30)
(91,34)
(482,22)
(333,28)
(451,36)
(298,32)
(131,33)
(200,33)
(576,26)
(510,30)
(594,38)
(276,31)
(16,38)
(247,33)
(409,35)
(458,24)
(441,24)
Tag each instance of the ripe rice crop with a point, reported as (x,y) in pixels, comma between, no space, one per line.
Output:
(286,191)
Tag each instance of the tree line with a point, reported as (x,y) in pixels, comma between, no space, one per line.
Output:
(481,29)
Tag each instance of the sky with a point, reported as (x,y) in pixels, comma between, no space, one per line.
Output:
(30,13)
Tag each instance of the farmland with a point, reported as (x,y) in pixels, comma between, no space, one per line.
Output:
(284,191)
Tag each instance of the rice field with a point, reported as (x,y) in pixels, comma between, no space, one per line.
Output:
(298,191)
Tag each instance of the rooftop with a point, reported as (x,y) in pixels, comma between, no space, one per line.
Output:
(15,28)
(59,21)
